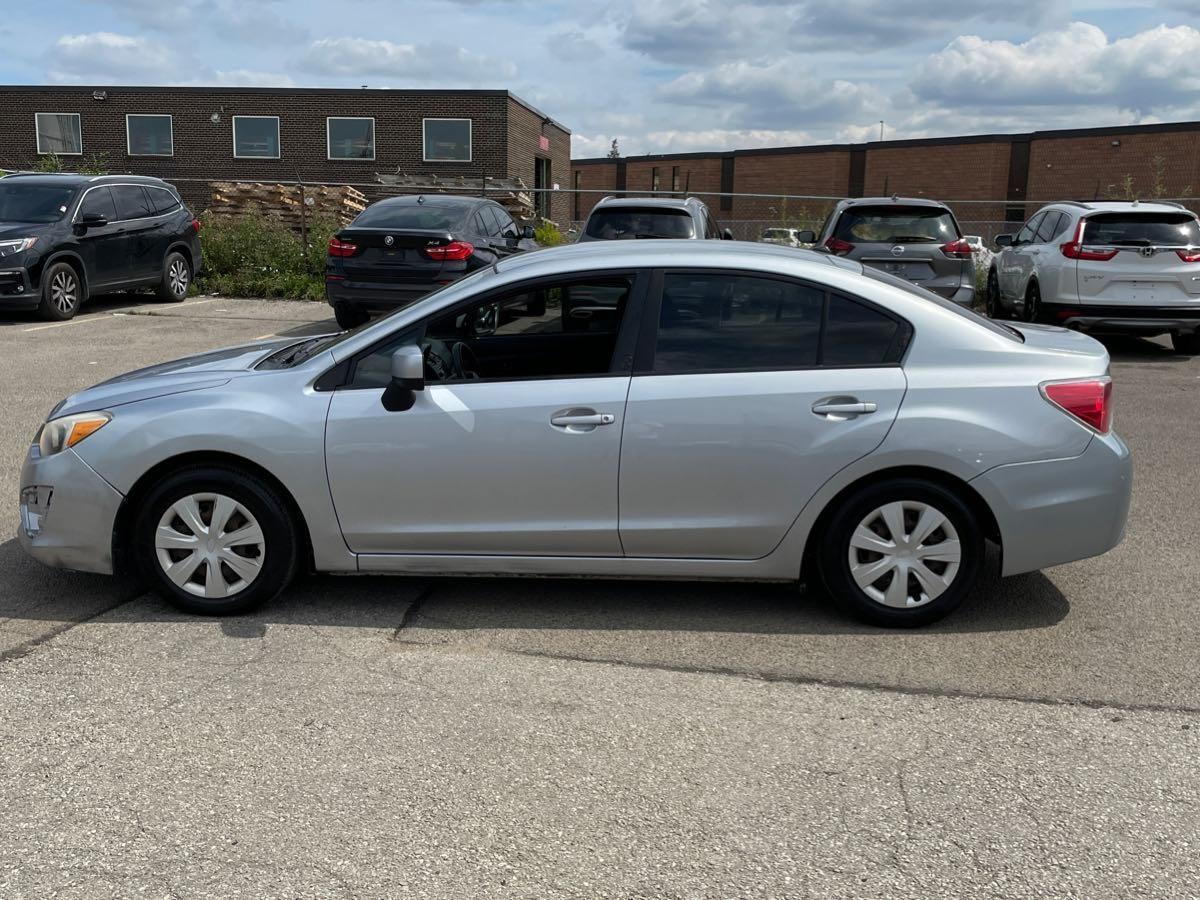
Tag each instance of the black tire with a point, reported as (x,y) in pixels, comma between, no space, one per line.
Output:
(257,503)
(1186,343)
(63,292)
(993,305)
(1033,303)
(835,546)
(349,316)
(176,278)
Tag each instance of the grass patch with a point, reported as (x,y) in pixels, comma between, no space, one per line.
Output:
(255,255)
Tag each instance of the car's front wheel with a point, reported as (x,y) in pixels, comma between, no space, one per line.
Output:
(176,278)
(992,303)
(901,553)
(215,540)
(1186,343)
(349,316)
(62,292)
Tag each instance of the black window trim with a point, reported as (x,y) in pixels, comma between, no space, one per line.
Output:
(178,202)
(648,333)
(621,363)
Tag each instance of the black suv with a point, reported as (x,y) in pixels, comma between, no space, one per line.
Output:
(65,237)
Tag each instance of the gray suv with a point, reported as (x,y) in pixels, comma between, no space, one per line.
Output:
(627,218)
(918,240)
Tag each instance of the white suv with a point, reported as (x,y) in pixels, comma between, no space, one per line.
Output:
(1105,267)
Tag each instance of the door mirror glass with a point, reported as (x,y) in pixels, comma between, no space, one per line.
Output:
(1004,240)
(93,220)
(408,376)
(806,237)
(527,232)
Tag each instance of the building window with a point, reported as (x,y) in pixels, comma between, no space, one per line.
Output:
(447,140)
(675,179)
(350,138)
(256,137)
(147,135)
(654,180)
(59,133)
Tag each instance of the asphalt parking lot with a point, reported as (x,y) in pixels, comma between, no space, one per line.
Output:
(475,738)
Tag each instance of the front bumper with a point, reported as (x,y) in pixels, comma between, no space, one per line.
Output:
(16,289)
(1060,510)
(67,513)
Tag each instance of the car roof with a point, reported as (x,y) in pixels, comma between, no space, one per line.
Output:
(1122,205)
(74,178)
(899,201)
(432,200)
(643,202)
(667,253)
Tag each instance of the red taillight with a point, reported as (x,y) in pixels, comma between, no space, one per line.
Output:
(1191,254)
(1089,400)
(196,225)
(837,246)
(451,251)
(959,249)
(1074,249)
(338,247)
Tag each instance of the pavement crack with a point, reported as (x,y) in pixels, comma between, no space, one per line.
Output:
(410,614)
(26,647)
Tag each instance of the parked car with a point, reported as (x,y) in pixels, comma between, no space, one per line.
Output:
(66,237)
(399,249)
(918,240)
(628,218)
(783,237)
(746,412)
(1103,267)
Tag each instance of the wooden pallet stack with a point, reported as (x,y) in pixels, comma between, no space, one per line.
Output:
(512,193)
(285,201)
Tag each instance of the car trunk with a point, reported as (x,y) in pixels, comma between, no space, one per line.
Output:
(1131,259)
(906,241)
(395,256)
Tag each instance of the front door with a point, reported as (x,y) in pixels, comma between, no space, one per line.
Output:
(513,446)
(753,394)
(104,247)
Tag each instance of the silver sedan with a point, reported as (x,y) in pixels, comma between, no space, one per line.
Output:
(657,409)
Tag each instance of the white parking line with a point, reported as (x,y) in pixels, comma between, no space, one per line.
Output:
(263,337)
(101,318)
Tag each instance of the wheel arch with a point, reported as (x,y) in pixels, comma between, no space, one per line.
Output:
(974,500)
(182,248)
(74,260)
(126,513)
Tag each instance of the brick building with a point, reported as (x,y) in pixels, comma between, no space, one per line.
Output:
(341,135)
(1015,170)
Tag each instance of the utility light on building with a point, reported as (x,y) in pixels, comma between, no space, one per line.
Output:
(99,95)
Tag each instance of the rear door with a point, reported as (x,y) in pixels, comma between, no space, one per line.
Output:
(1139,259)
(910,242)
(741,407)
(142,242)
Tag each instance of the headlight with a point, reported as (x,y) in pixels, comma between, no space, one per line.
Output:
(59,434)
(20,245)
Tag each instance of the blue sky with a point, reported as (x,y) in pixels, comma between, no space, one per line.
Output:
(661,75)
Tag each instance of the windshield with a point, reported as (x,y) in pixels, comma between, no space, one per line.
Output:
(625,222)
(39,203)
(425,217)
(1142,229)
(918,291)
(895,224)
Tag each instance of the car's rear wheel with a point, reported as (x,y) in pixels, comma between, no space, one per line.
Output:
(992,303)
(1186,343)
(1033,303)
(215,541)
(176,278)
(349,316)
(62,292)
(901,553)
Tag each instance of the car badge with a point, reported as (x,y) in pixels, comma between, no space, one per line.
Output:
(389,240)
(898,250)
(1146,251)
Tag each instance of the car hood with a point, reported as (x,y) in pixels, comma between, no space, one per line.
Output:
(10,230)
(191,373)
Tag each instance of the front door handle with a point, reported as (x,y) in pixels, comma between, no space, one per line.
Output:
(579,420)
(849,408)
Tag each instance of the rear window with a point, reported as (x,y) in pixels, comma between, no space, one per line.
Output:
(1142,229)
(34,202)
(625,223)
(425,216)
(897,224)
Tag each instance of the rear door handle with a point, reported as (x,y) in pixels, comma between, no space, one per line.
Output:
(581,420)
(844,409)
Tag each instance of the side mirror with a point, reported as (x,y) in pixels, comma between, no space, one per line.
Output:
(408,376)
(93,220)
(726,234)
(806,237)
(1004,240)
(527,232)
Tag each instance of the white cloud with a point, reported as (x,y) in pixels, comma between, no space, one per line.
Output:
(362,57)
(107,57)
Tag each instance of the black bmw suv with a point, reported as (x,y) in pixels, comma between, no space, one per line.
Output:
(65,237)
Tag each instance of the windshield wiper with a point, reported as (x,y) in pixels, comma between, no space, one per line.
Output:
(910,239)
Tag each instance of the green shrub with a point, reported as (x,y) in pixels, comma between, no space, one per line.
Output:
(256,255)
(548,235)
(48,162)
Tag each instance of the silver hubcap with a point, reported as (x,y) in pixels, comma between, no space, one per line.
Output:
(209,545)
(64,293)
(177,277)
(904,554)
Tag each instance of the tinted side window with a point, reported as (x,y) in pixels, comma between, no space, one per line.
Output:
(99,200)
(719,322)
(132,202)
(856,334)
(478,224)
(506,223)
(1049,226)
(164,201)
(1025,235)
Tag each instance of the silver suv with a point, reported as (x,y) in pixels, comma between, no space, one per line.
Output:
(1104,267)
(917,240)
(627,218)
